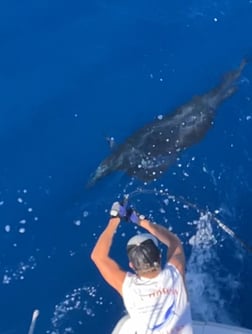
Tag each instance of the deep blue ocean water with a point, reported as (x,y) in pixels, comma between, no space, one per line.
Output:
(72,74)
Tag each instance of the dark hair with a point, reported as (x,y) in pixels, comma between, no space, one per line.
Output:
(144,256)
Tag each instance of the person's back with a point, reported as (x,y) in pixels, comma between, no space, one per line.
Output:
(159,304)
(155,298)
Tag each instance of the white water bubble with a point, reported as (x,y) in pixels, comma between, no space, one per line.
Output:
(204,236)
(77,222)
(166,201)
(79,302)
(204,169)
(85,214)
(21,230)
(6,279)
(7,228)
(17,273)
(72,253)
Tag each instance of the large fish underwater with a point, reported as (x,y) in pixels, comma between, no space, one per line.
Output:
(151,150)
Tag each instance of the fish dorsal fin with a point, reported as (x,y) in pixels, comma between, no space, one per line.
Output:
(111,142)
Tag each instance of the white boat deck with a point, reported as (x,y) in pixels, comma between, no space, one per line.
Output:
(215,328)
(124,326)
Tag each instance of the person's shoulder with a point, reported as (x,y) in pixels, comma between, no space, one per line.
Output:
(171,268)
(129,274)
(129,277)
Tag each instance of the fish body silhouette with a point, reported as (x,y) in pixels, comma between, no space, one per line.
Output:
(149,152)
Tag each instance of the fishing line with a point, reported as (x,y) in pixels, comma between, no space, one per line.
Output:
(185,202)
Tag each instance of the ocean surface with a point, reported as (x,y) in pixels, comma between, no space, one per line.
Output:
(73,73)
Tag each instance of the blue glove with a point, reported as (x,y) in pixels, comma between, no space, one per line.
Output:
(118,210)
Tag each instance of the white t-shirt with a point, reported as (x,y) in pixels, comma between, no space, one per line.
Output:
(158,305)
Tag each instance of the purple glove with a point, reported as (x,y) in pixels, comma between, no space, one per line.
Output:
(132,216)
(118,210)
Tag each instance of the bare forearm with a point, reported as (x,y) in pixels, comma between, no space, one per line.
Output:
(161,232)
(104,242)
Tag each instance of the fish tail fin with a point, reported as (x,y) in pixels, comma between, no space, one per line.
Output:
(228,86)
(244,62)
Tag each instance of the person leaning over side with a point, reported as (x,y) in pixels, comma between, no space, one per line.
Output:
(154,297)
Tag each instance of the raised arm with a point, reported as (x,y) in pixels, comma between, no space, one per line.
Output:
(175,254)
(108,267)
